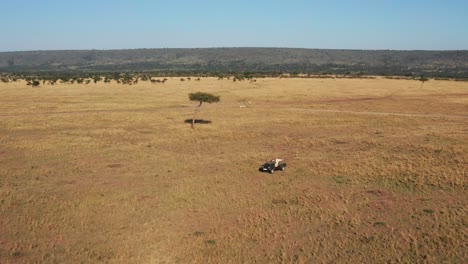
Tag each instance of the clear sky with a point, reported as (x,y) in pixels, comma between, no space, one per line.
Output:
(332,24)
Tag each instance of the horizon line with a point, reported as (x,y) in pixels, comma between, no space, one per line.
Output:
(241,47)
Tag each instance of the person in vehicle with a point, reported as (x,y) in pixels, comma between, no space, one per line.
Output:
(276,161)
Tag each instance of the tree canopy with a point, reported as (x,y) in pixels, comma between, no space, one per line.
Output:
(204,97)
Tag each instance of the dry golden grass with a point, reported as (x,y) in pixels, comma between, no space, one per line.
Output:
(111,173)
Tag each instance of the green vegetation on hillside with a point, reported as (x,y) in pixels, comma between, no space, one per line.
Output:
(271,61)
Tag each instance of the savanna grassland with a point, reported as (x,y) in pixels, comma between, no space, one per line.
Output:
(377,172)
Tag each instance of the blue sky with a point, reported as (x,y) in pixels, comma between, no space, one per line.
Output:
(333,24)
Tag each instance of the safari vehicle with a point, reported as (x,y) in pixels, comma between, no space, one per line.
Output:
(271,166)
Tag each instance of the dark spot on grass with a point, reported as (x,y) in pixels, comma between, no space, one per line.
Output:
(339,142)
(197,121)
(114,165)
(366,239)
(425,199)
(377,224)
(375,192)
(428,211)
(199,233)
(279,201)
(294,201)
(211,241)
(341,179)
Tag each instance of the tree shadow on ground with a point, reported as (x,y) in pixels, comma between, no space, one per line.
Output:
(197,121)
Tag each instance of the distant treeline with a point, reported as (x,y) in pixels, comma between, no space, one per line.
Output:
(233,68)
(130,78)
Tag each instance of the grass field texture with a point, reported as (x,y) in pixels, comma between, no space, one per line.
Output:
(377,172)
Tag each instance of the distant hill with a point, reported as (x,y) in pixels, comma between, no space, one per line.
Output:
(222,60)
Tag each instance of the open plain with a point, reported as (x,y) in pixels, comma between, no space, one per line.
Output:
(377,172)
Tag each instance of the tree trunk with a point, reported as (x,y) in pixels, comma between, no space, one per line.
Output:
(195,113)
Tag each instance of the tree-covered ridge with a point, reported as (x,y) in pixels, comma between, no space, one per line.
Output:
(449,64)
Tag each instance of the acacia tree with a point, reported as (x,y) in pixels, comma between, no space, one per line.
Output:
(423,80)
(201,98)
(35,83)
